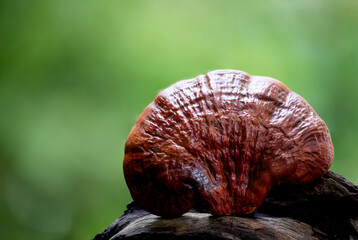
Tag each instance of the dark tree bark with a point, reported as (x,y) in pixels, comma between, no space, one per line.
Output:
(324,209)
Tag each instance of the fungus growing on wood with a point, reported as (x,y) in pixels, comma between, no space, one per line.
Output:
(221,141)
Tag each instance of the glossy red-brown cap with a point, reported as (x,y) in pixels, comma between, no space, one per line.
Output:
(222,141)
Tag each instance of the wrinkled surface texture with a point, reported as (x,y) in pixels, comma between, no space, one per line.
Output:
(220,142)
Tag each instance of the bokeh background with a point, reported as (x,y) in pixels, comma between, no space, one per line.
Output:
(75,75)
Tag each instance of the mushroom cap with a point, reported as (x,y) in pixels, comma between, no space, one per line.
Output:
(221,141)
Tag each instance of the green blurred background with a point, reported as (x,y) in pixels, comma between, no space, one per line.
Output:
(75,75)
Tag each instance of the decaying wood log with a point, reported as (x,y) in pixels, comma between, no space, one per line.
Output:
(324,209)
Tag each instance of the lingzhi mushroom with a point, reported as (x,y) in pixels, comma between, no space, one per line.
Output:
(221,141)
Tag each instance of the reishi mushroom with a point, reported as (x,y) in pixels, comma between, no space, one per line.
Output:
(222,141)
